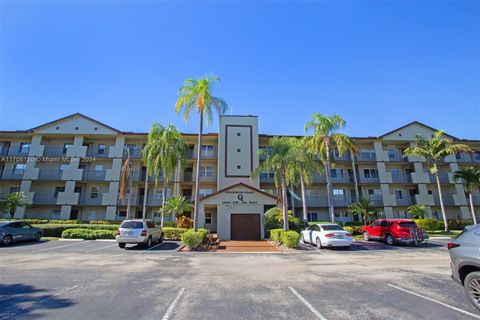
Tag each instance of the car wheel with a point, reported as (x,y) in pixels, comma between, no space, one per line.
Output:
(38,236)
(366,236)
(149,242)
(160,240)
(122,245)
(389,239)
(302,239)
(319,244)
(472,288)
(7,240)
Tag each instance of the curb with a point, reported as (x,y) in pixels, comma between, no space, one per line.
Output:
(70,239)
(440,238)
(105,240)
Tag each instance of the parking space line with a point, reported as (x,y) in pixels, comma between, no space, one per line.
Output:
(97,249)
(433,300)
(157,245)
(57,247)
(306,303)
(16,310)
(167,314)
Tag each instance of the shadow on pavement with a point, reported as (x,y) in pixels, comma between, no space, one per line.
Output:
(164,246)
(24,244)
(21,301)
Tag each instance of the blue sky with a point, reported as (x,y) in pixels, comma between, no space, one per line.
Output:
(379,64)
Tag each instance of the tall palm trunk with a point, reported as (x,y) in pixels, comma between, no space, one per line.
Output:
(355,179)
(129,199)
(329,185)
(472,208)
(197,174)
(144,211)
(164,195)
(284,202)
(304,201)
(440,198)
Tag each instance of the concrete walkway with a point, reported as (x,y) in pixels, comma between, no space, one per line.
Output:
(246,246)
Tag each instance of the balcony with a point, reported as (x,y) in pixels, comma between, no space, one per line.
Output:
(345,157)
(447,199)
(342,180)
(190,177)
(206,154)
(317,178)
(322,201)
(364,179)
(44,198)
(50,174)
(468,157)
(135,153)
(12,175)
(266,178)
(18,152)
(95,152)
(401,178)
(88,200)
(376,200)
(405,201)
(443,177)
(54,152)
(397,158)
(366,157)
(94,175)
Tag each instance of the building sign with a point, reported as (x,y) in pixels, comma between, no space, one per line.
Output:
(240,197)
(46,159)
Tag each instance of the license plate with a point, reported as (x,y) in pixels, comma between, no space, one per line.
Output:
(339,237)
(128,233)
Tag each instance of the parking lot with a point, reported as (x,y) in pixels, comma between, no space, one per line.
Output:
(96,279)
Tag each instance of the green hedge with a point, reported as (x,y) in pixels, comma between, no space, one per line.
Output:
(55,230)
(354,230)
(192,239)
(173,233)
(169,224)
(290,238)
(428,224)
(317,222)
(275,235)
(88,234)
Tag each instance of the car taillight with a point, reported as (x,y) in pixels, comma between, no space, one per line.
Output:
(117,233)
(452,245)
(144,233)
(329,235)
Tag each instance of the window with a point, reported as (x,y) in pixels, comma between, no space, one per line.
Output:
(24,147)
(392,154)
(66,146)
(131,147)
(19,168)
(370,173)
(98,168)
(24,225)
(312,216)
(477,155)
(458,156)
(94,192)
(159,193)
(132,225)
(101,149)
(331,227)
(398,194)
(206,171)
(207,148)
(14,189)
(395,171)
(374,192)
(205,192)
(336,173)
(338,192)
(208,218)
(57,190)
(367,153)
(63,167)
(430,191)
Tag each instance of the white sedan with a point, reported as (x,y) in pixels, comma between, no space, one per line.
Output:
(326,235)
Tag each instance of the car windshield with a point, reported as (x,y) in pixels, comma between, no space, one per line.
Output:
(132,225)
(407,224)
(332,227)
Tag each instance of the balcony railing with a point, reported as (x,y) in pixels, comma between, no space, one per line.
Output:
(476,200)
(12,175)
(342,180)
(345,157)
(94,175)
(397,158)
(447,199)
(189,176)
(88,200)
(401,178)
(50,174)
(317,178)
(369,180)
(18,152)
(366,157)
(265,178)
(206,154)
(54,152)
(94,152)
(376,200)
(405,201)
(44,198)
(443,177)
(468,157)
(135,153)
(322,201)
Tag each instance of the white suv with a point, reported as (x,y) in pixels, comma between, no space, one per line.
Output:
(138,231)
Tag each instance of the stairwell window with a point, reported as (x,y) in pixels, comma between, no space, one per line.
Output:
(24,148)
(94,192)
(101,148)
(392,154)
(398,194)
(208,218)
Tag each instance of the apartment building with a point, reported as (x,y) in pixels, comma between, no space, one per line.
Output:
(70,169)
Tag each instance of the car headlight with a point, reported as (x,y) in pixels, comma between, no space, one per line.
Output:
(2,233)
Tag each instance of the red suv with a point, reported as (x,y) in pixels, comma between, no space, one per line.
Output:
(394,231)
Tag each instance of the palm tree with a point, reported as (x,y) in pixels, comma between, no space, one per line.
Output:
(126,180)
(418,211)
(364,208)
(471,179)
(165,150)
(325,135)
(277,159)
(433,150)
(197,95)
(14,200)
(176,206)
(301,169)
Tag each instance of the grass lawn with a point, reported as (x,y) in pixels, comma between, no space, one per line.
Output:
(50,238)
(358,237)
(451,233)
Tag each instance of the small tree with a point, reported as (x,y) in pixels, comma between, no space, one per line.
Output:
(364,208)
(418,211)
(471,179)
(176,206)
(14,200)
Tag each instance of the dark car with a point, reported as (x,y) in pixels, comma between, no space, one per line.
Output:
(13,231)
(465,262)
(394,231)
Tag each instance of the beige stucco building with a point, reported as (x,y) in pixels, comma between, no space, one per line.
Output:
(70,169)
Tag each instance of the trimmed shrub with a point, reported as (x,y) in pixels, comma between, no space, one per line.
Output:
(204,233)
(106,222)
(459,224)
(354,224)
(354,230)
(88,234)
(427,224)
(55,230)
(273,219)
(276,235)
(169,224)
(441,225)
(185,222)
(173,233)
(290,238)
(192,239)
(104,234)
